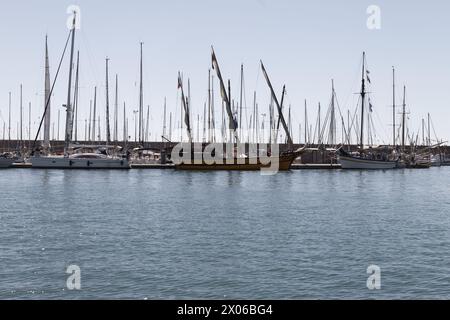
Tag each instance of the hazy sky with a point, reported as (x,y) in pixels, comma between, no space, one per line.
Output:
(304,44)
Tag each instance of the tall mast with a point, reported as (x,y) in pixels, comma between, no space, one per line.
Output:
(204,123)
(209,107)
(29,125)
(429,130)
(280,107)
(423,131)
(363,97)
(241,100)
(9,120)
(170,126)
(404,118)
(125,138)
(90,121)
(333,116)
(69,123)
(213,118)
(47,99)
(108,129)
(21,116)
(393,108)
(141,98)
(116,111)
(198,127)
(59,118)
(75,98)
(253,122)
(319,139)
(306,123)
(165,119)
(225,97)
(147,124)
(94,117)
(185,104)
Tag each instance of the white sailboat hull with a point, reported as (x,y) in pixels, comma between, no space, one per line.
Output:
(355,163)
(68,163)
(6,163)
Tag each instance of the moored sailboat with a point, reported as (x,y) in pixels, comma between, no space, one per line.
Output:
(366,158)
(91,160)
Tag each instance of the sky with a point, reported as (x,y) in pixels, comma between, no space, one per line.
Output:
(304,44)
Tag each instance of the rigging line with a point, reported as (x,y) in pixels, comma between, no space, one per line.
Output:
(432,126)
(51,91)
(354,119)
(91,57)
(342,117)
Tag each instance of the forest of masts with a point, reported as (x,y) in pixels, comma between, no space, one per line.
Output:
(256,124)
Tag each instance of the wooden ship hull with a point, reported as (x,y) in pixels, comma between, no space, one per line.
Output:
(247,164)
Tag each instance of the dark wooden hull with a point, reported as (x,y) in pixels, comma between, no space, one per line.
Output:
(284,161)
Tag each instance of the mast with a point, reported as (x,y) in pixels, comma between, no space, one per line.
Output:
(241,100)
(59,117)
(404,118)
(9,120)
(209,107)
(393,109)
(319,138)
(198,127)
(75,98)
(333,131)
(108,129)
(280,110)
(99,129)
(429,130)
(213,117)
(69,111)
(170,126)
(225,97)
(29,125)
(21,117)
(47,99)
(125,138)
(253,122)
(306,123)
(423,131)
(165,119)
(363,97)
(147,124)
(141,98)
(185,103)
(204,123)
(116,111)
(94,117)
(90,121)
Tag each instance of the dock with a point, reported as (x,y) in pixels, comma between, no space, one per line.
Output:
(152,166)
(316,167)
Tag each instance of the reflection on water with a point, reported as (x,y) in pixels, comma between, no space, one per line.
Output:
(169,234)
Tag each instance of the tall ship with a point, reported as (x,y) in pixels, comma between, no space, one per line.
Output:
(246,161)
(99,158)
(369,158)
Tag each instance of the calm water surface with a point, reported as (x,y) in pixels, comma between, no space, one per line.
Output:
(182,235)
